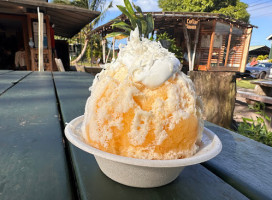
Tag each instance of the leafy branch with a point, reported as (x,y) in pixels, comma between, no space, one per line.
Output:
(170,44)
(145,23)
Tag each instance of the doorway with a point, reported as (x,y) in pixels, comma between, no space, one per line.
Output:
(12,43)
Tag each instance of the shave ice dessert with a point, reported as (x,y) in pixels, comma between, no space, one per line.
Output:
(142,105)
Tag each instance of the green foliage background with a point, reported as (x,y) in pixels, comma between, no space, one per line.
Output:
(94,49)
(262,57)
(233,8)
(85,37)
(172,47)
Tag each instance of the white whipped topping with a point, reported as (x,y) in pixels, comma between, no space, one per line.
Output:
(147,61)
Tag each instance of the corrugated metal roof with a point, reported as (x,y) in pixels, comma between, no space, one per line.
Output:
(176,18)
(68,20)
(253,48)
(269,37)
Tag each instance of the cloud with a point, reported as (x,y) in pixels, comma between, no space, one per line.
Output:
(146,5)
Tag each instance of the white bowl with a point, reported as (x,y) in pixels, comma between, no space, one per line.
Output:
(140,172)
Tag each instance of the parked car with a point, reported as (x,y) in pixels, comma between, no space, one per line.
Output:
(261,70)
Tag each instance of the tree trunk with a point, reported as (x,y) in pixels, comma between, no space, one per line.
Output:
(217,91)
(82,51)
(104,51)
(195,44)
(188,45)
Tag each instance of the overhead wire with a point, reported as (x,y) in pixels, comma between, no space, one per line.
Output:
(261,14)
(258,8)
(256,4)
(261,8)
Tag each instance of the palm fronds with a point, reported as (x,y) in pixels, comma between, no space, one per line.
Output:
(145,23)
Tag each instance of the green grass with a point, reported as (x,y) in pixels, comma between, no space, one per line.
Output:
(245,84)
(86,64)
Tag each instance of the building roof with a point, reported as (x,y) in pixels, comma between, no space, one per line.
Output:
(165,20)
(269,37)
(68,20)
(259,47)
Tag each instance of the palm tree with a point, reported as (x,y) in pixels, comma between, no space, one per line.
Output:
(94,5)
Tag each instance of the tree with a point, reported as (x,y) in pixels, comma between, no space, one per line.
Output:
(232,8)
(94,5)
(64,2)
(94,50)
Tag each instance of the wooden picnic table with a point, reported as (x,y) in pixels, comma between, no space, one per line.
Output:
(262,92)
(263,87)
(266,83)
(37,161)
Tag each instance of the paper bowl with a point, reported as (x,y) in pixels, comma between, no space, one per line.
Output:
(141,172)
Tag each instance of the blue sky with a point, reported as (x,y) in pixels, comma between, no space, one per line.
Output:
(261,16)
(260,11)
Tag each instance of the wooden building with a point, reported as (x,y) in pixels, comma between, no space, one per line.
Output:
(255,51)
(19,31)
(210,42)
(270,53)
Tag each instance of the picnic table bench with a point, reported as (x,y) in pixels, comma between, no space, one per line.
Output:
(254,97)
(262,92)
(93,70)
(263,87)
(37,162)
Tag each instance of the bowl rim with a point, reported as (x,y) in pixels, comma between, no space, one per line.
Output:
(207,151)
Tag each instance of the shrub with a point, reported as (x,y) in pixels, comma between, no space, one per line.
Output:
(172,44)
(262,57)
(256,129)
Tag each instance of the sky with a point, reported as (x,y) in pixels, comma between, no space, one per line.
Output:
(260,15)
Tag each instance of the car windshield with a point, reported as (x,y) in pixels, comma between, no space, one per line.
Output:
(268,65)
(265,65)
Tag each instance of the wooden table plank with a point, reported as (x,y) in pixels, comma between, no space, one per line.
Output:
(93,70)
(263,87)
(243,163)
(266,83)
(195,182)
(5,71)
(32,158)
(7,80)
(254,97)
